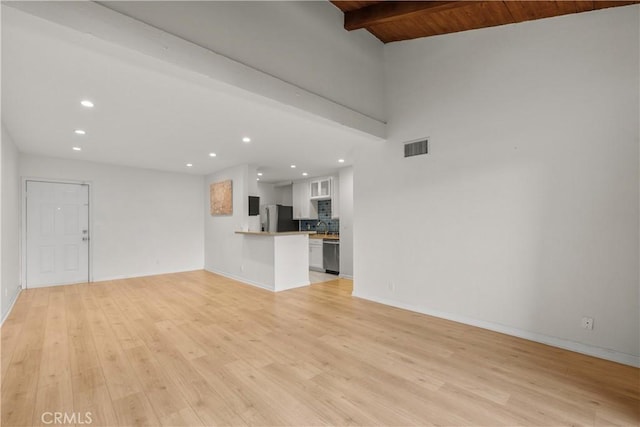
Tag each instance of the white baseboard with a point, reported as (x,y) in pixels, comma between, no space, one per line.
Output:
(13,303)
(345,276)
(602,353)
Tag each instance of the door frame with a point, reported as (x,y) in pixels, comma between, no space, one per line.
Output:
(23,225)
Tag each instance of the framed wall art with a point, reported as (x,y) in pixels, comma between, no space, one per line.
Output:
(221,194)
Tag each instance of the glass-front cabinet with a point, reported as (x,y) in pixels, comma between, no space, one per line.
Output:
(321,189)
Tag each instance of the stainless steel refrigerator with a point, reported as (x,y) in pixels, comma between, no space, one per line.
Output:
(276,218)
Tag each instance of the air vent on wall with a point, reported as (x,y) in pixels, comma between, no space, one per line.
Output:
(416,148)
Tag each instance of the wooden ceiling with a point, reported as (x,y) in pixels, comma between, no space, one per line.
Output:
(393,21)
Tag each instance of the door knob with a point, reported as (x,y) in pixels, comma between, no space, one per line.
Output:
(85,239)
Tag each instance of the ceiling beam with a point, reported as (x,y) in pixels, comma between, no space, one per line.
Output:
(188,61)
(394,10)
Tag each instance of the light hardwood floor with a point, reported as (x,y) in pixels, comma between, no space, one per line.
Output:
(319,277)
(198,349)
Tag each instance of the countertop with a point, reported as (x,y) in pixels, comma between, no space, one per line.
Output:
(325,236)
(269,233)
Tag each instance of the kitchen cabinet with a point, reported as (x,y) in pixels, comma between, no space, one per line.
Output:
(321,189)
(315,254)
(303,208)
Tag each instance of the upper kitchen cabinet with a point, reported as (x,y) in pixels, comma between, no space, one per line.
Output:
(303,208)
(321,189)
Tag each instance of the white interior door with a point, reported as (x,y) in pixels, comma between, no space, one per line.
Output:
(57,233)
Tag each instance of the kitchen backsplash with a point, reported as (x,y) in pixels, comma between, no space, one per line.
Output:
(324,214)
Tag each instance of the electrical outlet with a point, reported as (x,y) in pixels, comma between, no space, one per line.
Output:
(392,286)
(587,323)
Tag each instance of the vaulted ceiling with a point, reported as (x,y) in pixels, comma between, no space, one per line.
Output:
(393,21)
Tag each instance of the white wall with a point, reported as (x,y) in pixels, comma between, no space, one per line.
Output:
(524,216)
(144,222)
(346,221)
(303,43)
(10,223)
(268,194)
(223,248)
(285,195)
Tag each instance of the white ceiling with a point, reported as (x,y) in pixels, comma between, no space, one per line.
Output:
(146,117)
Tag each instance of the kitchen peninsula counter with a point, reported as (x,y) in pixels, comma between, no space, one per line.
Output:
(325,236)
(276,261)
(274,233)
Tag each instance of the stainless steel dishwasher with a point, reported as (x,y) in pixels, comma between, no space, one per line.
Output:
(331,256)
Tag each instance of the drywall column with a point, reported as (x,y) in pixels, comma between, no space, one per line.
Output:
(346,222)
(10,223)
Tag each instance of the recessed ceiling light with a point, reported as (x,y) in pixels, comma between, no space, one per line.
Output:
(257,179)
(189,165)
(86,103)
(340,160)
(80,132)
(77,149)
(293,166)
(246,139)
(212,154)
(259,173)
(304,174)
